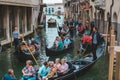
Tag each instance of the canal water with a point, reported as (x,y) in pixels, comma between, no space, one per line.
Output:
(8,60)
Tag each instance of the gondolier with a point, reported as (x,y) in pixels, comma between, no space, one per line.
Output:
(15,37)
(95,42)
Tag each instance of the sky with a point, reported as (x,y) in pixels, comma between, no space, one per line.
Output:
(52,1)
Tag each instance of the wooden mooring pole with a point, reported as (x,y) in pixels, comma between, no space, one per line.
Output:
(117,66)
(111,64)
(111,57)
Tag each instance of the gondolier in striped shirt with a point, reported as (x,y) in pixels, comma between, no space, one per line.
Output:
(15,37)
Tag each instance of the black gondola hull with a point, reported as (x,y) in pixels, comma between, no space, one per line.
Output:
(52,52)
(24,57)
(84,66)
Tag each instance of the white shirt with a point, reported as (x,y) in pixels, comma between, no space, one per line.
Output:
(64,67)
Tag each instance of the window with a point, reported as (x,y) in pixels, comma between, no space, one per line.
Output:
(49,11)
(2,27)
(52,9)
(45,10)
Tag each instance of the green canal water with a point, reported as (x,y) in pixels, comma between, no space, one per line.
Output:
(9,60)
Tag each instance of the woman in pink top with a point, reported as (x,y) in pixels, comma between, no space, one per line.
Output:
(57,64)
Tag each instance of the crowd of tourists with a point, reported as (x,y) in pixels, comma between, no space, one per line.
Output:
(60,43)
(49,69)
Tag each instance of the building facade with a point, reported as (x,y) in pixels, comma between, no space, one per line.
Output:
(106,11)
(101,11)
(78,10)
(54,12)
(20,13)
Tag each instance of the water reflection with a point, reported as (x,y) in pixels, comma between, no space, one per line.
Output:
(51,34)
(7,60)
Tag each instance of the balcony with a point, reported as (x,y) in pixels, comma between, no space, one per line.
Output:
(99,3)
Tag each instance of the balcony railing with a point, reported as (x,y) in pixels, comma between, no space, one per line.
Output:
(100,3)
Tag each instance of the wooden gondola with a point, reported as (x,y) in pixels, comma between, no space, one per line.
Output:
(53,52)
(79,67)
(24,54)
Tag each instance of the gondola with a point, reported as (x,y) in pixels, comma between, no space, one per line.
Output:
(53,52)
(24,54)
(79,67)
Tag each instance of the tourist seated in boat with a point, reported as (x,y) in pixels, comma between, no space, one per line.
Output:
(60,44)
(64,30)
(55,45)
(37,42)
(28,71)
(57,64)
(36,39)
(86,42)
(43,70)
(80,29)
(86,39)
(31,41)
(63,68)
(67,42)
(9,75)
(52,71)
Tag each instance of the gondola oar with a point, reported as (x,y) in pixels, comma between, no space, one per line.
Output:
(31,53)
(28,47)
